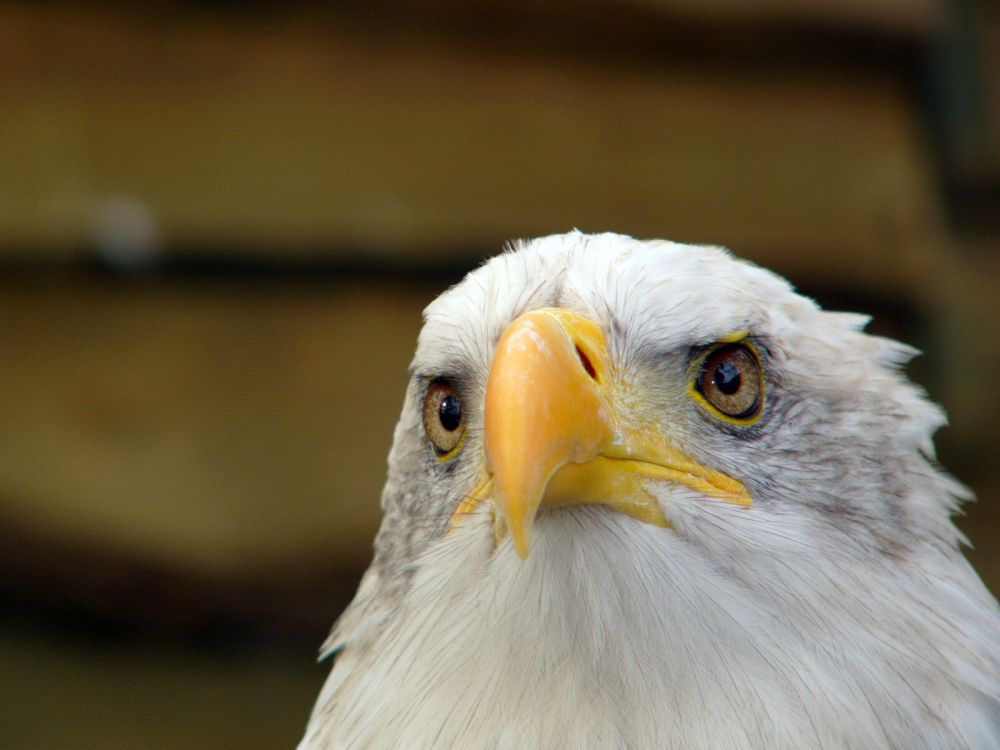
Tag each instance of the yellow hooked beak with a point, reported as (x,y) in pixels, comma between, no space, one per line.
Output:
(555,435)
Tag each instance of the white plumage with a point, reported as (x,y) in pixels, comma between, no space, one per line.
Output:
(834,612)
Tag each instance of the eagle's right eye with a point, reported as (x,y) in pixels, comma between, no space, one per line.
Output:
(444,421)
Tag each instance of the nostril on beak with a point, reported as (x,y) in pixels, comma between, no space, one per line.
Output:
(585,361)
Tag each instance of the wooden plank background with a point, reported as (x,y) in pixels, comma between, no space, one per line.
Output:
(285,138)
(206,426)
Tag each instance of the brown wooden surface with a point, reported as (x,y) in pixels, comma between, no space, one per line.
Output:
(61,693)
(890,17)
(284,137)
(989,78)
(211,427)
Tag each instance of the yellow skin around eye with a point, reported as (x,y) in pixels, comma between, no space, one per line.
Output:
(444,457)
(740,337)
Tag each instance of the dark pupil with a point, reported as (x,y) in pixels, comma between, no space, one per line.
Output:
(450,413)
(727,378)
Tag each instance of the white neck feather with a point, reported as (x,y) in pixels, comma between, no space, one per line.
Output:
(604,639)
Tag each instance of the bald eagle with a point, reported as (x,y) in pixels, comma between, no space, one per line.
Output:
(644,495)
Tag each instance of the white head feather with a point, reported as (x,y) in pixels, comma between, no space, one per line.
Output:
(836,612)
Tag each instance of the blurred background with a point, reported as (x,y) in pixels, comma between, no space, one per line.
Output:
(219,222)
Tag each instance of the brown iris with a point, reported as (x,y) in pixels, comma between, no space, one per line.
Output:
(731,381)
(444,421)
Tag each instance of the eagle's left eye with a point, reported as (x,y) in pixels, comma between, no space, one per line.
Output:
(444,421)
(731,381)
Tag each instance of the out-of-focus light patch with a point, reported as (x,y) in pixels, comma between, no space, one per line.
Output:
(126,234)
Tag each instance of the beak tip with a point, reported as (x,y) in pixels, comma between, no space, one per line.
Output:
(523,548)
(521,536)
